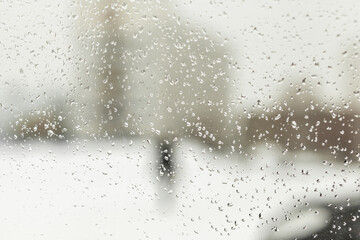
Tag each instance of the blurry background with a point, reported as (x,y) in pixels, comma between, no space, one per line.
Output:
(258,101)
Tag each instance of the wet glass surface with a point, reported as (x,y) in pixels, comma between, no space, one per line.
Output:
(179,119)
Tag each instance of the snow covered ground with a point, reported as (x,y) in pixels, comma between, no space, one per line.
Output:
(108,190)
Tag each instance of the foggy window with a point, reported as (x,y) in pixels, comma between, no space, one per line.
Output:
(176,119)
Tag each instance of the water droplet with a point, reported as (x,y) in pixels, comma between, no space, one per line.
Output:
(50,133)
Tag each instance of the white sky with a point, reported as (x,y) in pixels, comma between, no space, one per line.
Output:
(266,36)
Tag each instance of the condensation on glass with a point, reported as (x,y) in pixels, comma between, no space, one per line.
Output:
(179,119)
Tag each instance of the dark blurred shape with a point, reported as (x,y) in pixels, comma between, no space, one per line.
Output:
(300,123)
(111,68)
(41,125)
(166,164)
(312,131)
(344,224)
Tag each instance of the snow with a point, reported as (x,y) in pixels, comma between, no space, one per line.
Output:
(108,190)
